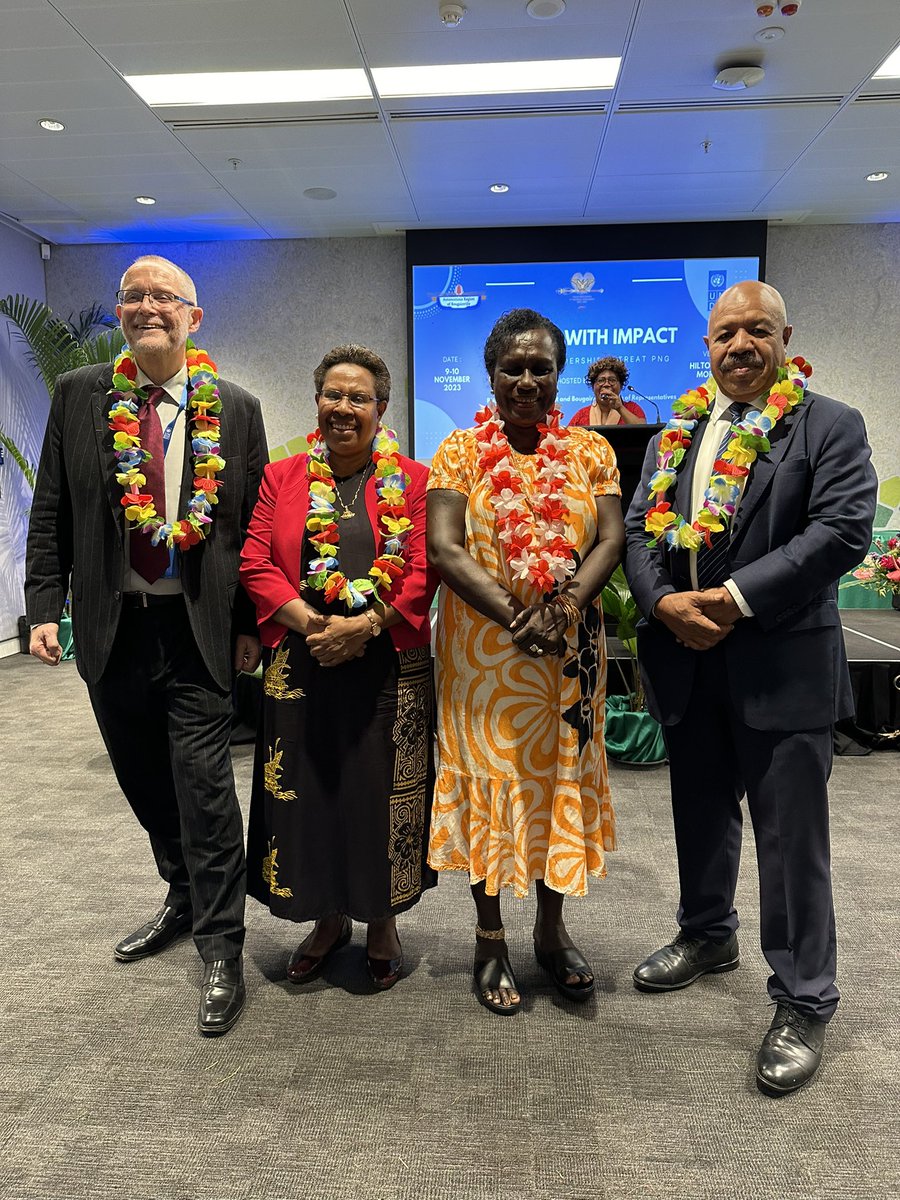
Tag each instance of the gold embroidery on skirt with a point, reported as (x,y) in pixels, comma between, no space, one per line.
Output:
(270,873)
(272,771)
(412,729)
(275,681)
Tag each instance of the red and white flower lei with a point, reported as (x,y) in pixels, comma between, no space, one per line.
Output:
(533,529)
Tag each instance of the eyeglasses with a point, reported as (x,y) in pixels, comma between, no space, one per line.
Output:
(132,297)
(357,399)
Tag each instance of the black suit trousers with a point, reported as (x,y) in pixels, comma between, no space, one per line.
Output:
(166,724)
(714,760)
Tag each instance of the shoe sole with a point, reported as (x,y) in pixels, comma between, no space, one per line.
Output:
(126,958)
(643,986)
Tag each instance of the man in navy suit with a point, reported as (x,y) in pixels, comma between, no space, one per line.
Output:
(743,659)
(159,633)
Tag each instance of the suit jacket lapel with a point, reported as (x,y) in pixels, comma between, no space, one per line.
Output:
(104,441)
(765,466)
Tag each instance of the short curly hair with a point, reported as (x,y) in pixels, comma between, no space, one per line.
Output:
(514,323)
(615,365)
(358,356)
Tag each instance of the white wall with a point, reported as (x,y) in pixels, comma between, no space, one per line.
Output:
(24,405)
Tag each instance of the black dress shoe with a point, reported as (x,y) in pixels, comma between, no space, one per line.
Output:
(790,1052)
(683,961)
(166,926)
(222,996)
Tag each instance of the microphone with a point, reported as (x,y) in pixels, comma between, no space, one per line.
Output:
(629,388)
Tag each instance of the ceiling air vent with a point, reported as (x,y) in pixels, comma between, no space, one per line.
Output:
(196,125)
(588,109)
(677,106)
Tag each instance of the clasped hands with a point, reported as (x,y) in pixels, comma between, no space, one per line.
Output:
(540,629)
(699,620)
(333,640)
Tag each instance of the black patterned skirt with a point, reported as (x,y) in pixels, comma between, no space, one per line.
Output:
(343,783)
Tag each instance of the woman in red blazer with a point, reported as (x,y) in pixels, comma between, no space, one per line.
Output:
(335,563)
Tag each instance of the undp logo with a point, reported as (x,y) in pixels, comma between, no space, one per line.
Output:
(717,279)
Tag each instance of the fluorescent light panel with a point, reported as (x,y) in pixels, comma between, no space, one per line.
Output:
(890,68)
(250,87)
(304,87)
(486,79)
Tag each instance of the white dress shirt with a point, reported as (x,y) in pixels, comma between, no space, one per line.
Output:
(169,410)
(713,432)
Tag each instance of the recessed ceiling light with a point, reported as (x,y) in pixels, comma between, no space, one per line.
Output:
(877,176)
(250,87)
(319,193)
(488,79)
(51,125)
(545,10)
(890,68)
(499,188)
(145,199)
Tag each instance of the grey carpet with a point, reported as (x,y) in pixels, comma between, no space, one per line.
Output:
(107,1091)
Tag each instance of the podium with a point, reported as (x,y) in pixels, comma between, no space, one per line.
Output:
(629,443)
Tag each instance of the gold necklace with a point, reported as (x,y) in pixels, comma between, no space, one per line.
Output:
(348,508)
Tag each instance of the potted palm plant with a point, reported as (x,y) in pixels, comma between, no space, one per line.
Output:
(632,734)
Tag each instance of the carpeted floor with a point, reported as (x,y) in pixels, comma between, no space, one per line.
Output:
(107,1091)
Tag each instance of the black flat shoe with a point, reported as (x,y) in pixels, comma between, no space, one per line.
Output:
(305,967)
(384,972)
(161,931)
(561,964)
(222,996)
(491,975)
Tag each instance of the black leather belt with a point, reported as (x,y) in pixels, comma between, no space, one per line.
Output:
(148,599)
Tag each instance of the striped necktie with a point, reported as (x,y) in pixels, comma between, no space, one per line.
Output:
(148,560)
(712,560)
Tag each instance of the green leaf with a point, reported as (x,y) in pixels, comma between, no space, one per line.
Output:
(52,349)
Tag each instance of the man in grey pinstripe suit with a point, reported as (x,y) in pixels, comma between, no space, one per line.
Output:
(157,650)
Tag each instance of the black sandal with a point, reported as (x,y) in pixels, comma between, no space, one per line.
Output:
(492,974)
(562,963)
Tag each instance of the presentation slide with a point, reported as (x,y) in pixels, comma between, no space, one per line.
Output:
(652,314)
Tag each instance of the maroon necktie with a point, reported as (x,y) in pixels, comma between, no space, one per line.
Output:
(148,560)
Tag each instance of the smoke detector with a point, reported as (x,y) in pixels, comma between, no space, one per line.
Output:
(736,79)
(451,14)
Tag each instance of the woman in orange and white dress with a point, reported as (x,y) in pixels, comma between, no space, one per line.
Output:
(525,528)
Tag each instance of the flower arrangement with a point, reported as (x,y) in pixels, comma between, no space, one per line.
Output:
(880,569)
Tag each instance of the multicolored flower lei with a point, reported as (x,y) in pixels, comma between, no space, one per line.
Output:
(322,526)
(532,529)
(204,404)
(748,437)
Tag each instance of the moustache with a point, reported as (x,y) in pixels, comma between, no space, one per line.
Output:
(741,360)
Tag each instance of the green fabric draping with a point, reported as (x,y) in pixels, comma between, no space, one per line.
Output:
(632,737)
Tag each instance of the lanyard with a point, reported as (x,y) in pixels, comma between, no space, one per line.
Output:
(167,432)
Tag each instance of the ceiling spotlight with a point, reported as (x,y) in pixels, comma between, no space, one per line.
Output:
(145,199)
(319,193)
(499,188)
(736,79)
(772,33)
(788,8)
(451,14)
(545,10)
(51,125)
(765,10)
(877,176)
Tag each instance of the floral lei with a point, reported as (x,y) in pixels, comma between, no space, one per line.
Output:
(324,572)
(748,437)
(533,530)
(204,403)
